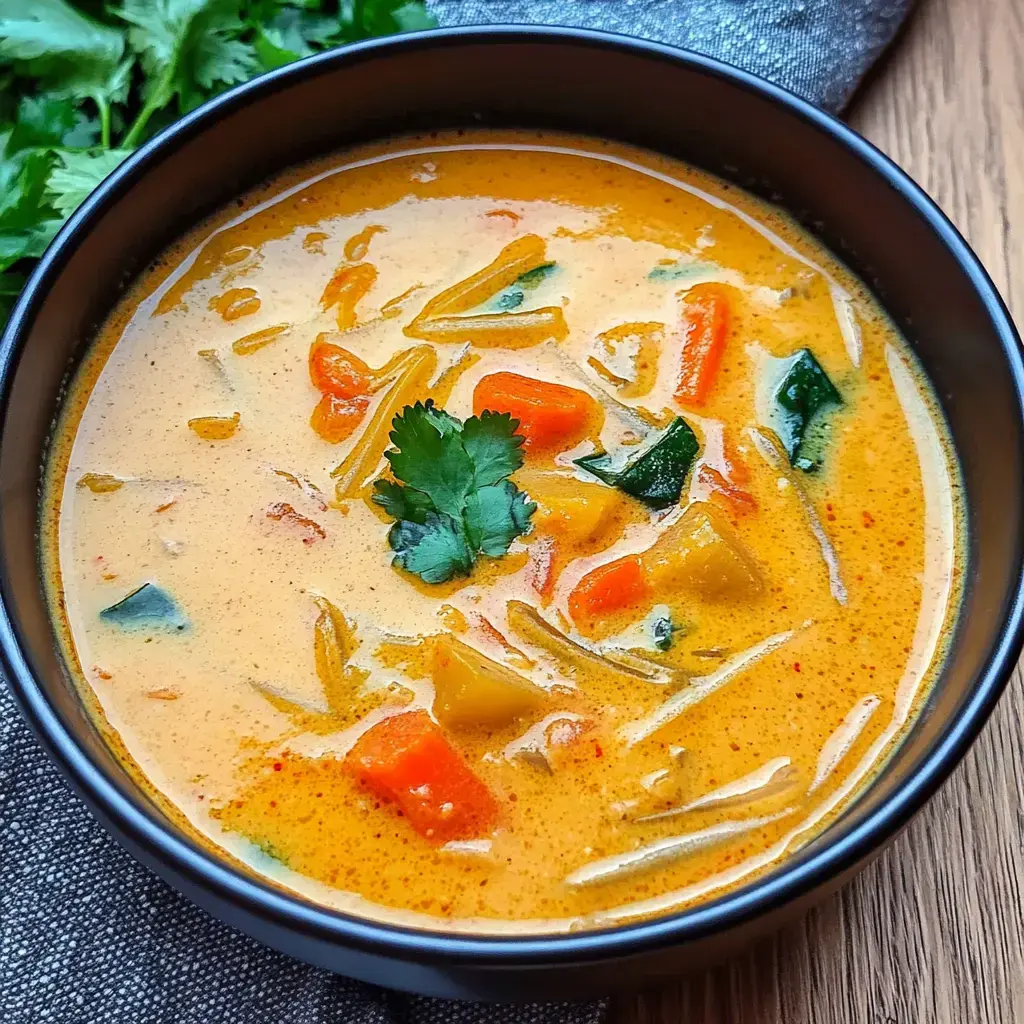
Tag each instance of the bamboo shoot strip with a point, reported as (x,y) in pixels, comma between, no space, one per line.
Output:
(838,745)
(412,373)
(699,688)
(774,777)
(663,851)
(768,448)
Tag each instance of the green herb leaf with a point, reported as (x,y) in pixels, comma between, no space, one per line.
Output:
(27,220)
(493,446)
(532,278)
(148,607)
(42,122)
(655,474)
(402,502)
(10,287)
(436,551)
(457,501)
(662,631)
(430,460)
(60,47)
(803,395)
(78,174)
(495,516)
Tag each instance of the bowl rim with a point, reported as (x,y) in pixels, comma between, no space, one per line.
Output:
(788,882)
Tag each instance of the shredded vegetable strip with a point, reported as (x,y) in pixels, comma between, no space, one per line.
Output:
(699,688)
(411,374)
(772,453)
(838,745)
(663,851)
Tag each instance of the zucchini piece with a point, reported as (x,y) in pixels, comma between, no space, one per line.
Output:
(147,607)
(803,395)
(656,474)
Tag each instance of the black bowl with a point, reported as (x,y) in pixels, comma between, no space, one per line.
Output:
(681,104)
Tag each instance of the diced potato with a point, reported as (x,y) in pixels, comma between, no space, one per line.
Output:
(471,690)
(702,553)
(568,508)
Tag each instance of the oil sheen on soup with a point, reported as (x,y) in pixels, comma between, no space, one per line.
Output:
(502,532)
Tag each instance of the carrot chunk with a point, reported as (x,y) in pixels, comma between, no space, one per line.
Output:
(408,760)
(608,588)
(334,419)
(336,371)
(550,415)
(705,329)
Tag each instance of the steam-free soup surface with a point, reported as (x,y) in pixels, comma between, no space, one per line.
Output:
(653,576)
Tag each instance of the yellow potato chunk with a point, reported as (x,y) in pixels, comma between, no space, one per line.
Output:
(567,507)
(702,553)
(471,690)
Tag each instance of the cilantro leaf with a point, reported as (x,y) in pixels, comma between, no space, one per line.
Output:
(457,501)
(435,550)
(27,221)
(189,49)
(50,41)
(430,457)
(10,287)
(78,174)
(493,445)
(402,502)
(41,122)
(495,516)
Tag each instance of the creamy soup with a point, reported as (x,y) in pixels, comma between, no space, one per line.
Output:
(502,532)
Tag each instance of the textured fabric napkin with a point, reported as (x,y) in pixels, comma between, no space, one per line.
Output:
(87,936)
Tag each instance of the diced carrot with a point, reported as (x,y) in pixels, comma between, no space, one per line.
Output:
(735,498)
(550,415)
(408,760)
(335,419)
(608,588)
(736,469)
(336,371)
(705,329)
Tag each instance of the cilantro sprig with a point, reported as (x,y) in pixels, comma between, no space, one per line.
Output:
(84,83)
(451,496)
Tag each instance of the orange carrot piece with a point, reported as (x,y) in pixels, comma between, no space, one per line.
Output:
(736,469)
(550,415)
(336,371)
(705,329)
(735,498)
(608,588)
(335,419)
(407,759)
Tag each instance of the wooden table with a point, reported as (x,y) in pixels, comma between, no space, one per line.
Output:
(932,932)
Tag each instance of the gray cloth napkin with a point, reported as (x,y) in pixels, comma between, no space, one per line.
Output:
(87,936)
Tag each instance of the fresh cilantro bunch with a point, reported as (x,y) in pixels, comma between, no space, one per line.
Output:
(455,501)
(82,84)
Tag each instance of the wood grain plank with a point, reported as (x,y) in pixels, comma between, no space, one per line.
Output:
(934,930)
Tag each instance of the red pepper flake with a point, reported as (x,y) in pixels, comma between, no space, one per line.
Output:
(278,766)
(831,517)
(869,519)
(900,543)
(273,803)
(796,666)
(102,673)
(510,214)
(166,505)
(799,696)
(734,745)
(598,752)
